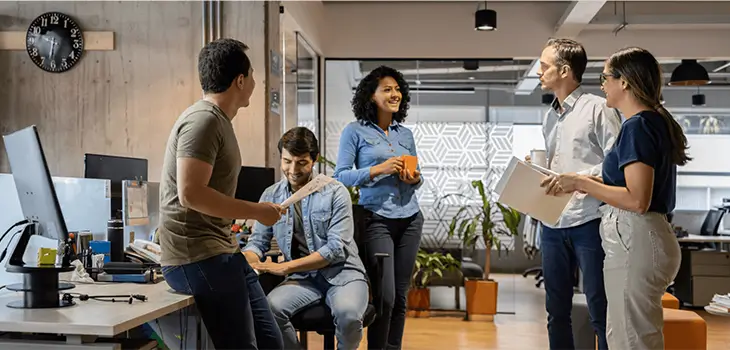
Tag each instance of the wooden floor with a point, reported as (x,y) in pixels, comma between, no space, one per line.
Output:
(523,330)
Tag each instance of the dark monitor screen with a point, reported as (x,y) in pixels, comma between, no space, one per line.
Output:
(33,182)
(252,181)
(114,168)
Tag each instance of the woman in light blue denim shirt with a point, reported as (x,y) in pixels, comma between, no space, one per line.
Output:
(369,157)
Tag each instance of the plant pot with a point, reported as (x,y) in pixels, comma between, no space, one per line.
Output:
(481,296)
(418,302)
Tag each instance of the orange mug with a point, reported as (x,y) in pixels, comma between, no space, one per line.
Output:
(409,165)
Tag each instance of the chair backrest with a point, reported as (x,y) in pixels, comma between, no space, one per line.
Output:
(712,222)
(359,216)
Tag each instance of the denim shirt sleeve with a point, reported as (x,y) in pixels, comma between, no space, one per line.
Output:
(259,241)
(346,157)
(341,228)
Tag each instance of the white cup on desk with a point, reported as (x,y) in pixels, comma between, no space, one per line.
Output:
(539,157)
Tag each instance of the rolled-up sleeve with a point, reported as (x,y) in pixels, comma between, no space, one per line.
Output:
(340,231)
(606,126)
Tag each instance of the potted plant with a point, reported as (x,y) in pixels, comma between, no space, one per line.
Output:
(427,266)
(483,221)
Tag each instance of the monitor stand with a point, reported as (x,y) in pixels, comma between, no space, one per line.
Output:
(40,285)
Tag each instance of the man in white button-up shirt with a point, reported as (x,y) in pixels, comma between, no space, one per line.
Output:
(579,130)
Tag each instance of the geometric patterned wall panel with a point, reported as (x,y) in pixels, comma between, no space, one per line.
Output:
(451,155)
(310,124)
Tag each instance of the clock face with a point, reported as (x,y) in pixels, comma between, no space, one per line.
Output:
(54,42)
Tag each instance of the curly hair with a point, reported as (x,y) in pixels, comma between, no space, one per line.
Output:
(362,102)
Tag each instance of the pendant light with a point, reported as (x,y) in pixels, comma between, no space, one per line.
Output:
(547,99)
(485,20)
(689,73)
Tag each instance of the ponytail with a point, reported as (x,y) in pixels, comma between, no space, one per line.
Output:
(677,139)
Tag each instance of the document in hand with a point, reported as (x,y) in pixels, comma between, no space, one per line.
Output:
(520,189)
(315,185)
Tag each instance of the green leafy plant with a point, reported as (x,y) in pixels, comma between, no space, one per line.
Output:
(470,225)
(433,264)
(354,190)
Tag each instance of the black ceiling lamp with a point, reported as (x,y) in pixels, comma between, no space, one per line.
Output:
(547,99)
(689,73)
(698,99)
(485,20)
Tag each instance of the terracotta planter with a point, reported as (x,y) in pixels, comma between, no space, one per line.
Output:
(481,297)
(418,302)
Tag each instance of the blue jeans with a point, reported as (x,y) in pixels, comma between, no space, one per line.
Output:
(347,302)
(562,249)
(230,301)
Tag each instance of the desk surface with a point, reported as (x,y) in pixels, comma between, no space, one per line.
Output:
(94,317)
(704,239)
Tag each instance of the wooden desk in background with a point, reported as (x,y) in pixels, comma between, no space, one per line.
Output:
(82,323)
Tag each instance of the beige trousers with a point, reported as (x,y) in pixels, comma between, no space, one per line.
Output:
(642,259)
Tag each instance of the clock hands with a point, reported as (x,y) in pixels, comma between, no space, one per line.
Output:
(53,46)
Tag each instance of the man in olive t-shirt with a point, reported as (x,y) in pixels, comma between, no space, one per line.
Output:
(200,255)
(205,133)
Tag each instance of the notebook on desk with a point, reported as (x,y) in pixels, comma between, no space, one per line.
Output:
(520,189)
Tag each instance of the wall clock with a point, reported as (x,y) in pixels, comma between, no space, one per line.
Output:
(54,42)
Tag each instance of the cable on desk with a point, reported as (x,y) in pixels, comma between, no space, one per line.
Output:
(109,298)
(5,251)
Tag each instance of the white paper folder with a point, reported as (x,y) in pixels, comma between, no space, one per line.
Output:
(520,189)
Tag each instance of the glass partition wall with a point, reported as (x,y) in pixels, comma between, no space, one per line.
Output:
(301,88)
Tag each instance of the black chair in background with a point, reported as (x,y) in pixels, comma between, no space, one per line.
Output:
(709,228)
(318,317)
(538,274)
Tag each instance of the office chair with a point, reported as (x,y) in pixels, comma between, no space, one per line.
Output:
(318,317)
(711,225)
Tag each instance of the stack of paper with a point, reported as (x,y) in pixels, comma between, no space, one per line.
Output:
(720,305)
(520,189)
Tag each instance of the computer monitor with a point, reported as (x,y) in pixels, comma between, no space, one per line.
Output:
(253,181)
(115,169)
(38,201)
(33,183)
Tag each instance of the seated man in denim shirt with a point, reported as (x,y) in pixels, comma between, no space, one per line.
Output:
(315,235)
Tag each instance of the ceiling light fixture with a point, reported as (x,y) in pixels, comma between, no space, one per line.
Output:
(485,20)
(698,100)
(547,99)
(689,73)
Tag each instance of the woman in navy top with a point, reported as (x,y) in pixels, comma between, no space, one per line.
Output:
(373,144)
(638,187)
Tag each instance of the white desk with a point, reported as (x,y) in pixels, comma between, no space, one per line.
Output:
(93,318)
(704,239)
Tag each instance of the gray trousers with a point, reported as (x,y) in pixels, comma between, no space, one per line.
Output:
(642,259)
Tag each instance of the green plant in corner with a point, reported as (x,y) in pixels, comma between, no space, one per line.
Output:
(467,226)
(433,264)
(354,190)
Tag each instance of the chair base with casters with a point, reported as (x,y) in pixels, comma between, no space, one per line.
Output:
(538,275)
